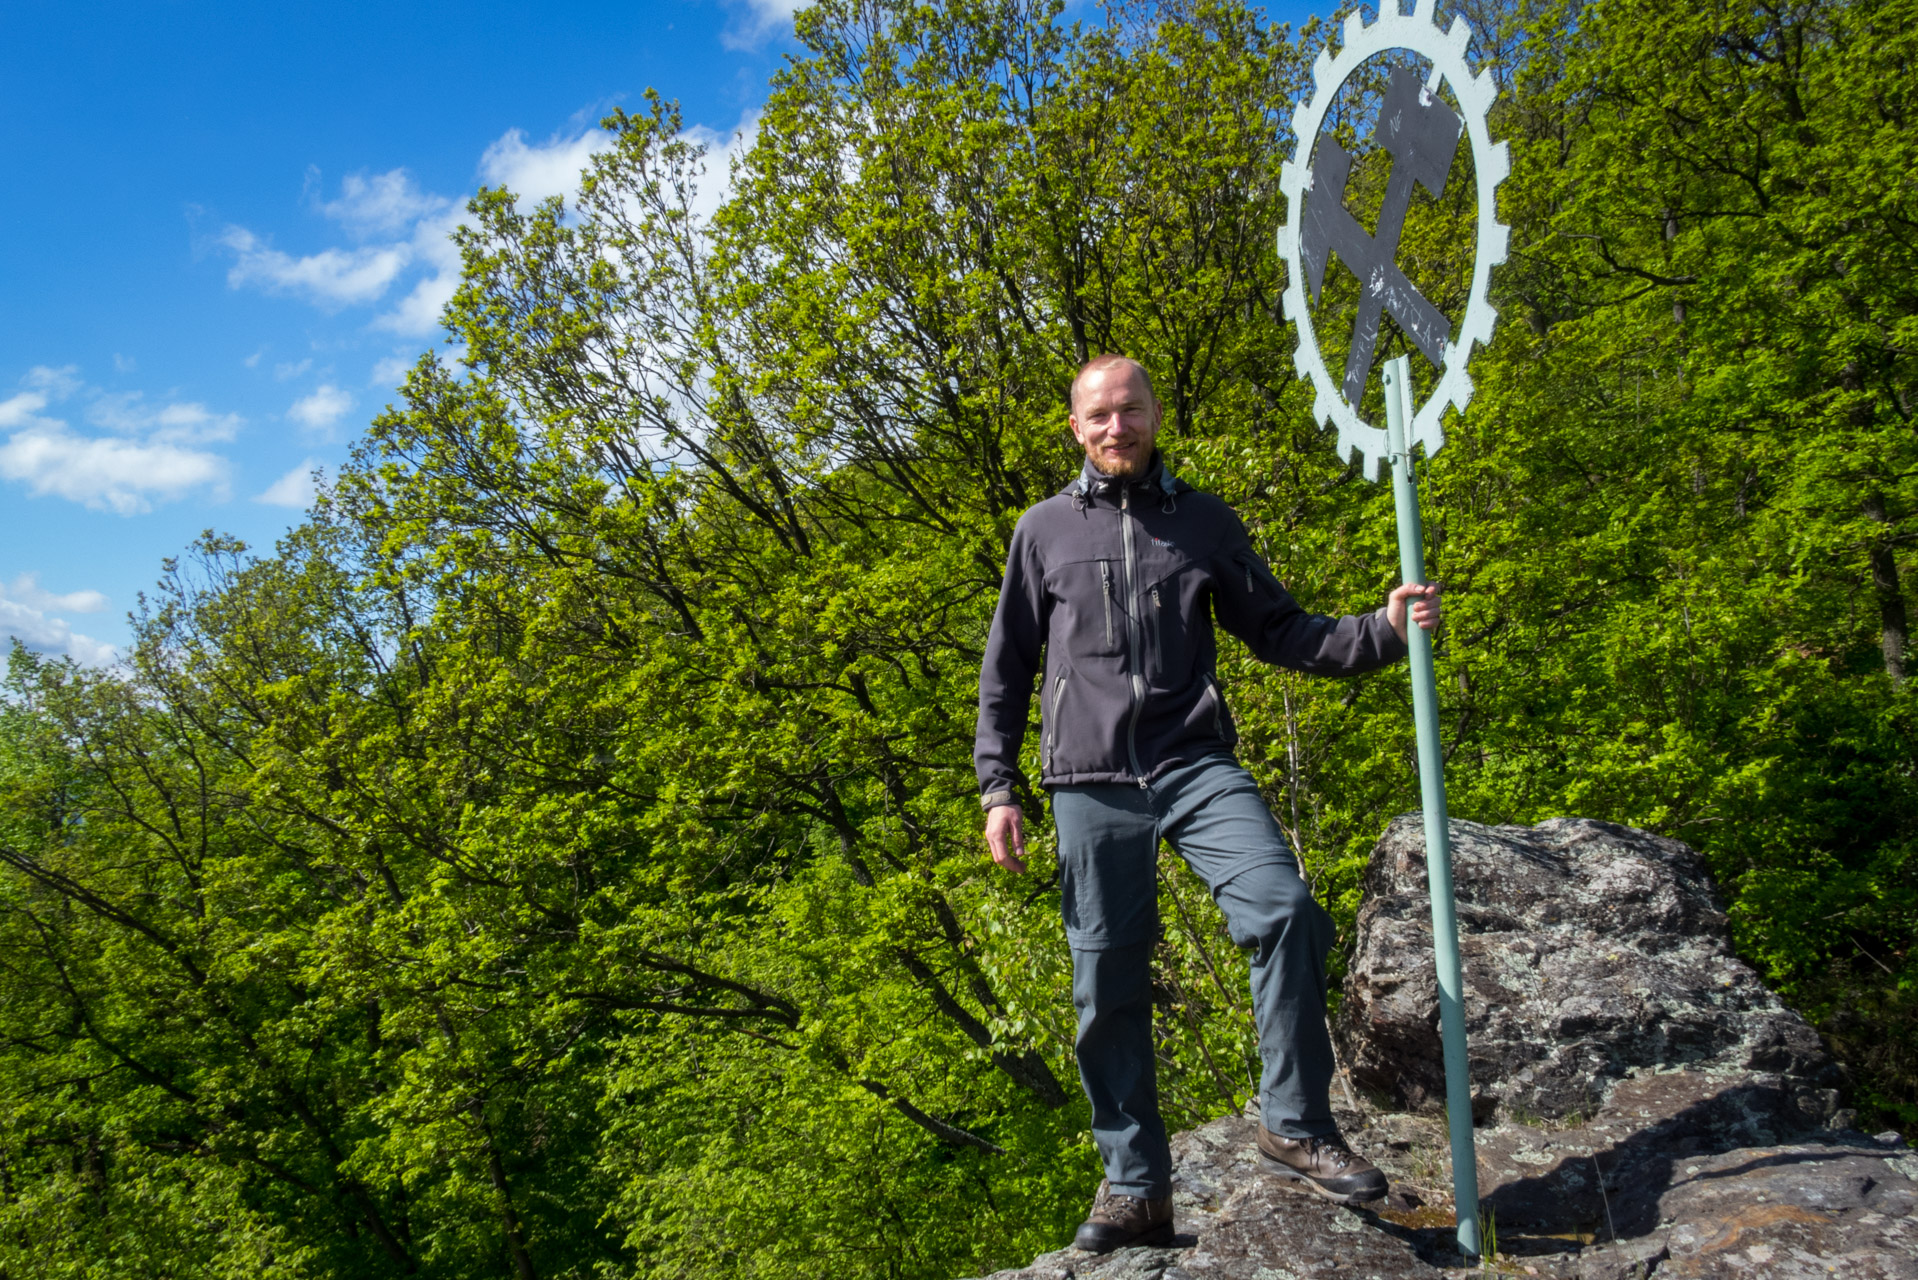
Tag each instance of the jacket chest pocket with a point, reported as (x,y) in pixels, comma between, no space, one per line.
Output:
(1155,616)
(1108,606)
(1166,650)
(1089,617)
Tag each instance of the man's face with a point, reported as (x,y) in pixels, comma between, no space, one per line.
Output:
(1115,420)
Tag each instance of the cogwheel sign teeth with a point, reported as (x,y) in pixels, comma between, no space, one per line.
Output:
(1495,250)
(1421,134)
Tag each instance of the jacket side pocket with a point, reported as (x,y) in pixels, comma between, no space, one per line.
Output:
(1218,710)
(1052,721)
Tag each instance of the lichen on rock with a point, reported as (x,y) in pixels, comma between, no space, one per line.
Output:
(1591,952)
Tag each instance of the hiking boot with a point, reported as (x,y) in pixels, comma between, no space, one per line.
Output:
(1326,1165)
(1117,1221)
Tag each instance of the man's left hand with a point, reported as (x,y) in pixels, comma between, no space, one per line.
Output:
(1423,601)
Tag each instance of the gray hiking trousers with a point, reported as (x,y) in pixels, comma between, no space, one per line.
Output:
(1212,815)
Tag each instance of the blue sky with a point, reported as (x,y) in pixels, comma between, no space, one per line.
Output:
(225,240)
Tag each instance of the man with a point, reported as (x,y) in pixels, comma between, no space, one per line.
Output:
(1114,584)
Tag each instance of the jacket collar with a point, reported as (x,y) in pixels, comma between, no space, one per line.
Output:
(1157,478)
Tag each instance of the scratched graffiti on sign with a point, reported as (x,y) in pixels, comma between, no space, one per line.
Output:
(1421,134)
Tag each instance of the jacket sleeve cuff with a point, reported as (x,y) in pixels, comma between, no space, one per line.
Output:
(993,799)
(1395,647)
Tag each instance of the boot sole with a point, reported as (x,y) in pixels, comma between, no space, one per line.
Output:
(1157,1237)
(1287,1172)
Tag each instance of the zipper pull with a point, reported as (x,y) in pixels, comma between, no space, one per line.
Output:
(1155,595)
(1248,579)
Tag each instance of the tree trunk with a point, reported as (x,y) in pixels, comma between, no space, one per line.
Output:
(1671,234)
(503,1194)
(1891,598)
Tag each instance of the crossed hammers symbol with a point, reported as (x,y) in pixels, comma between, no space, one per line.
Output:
(1421,133)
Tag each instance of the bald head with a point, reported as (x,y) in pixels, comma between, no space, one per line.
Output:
(1101,363)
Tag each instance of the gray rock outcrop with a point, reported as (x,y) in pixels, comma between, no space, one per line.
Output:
(1660,1185)
(1590,951)
(1646,1106)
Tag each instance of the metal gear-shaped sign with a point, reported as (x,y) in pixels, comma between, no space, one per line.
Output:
(1421,133)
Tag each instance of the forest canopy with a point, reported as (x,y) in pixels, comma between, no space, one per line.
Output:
(560,856)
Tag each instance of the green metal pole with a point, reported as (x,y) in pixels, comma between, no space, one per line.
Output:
(1438,841)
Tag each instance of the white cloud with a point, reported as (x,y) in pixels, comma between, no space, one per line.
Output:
(128,413)
(151,455)
(107,474)
(24,616)
(384,204)
(25,590)
(319,411)
(390,372)
(286,369)
(418,313)
(297,488)
(43,384)
(550,168)
(757,20)
(716,185)
(420,224)
(331,279)
(19,409)
(532,171)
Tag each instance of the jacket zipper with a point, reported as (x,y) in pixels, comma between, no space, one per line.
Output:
(1052,722)
(1105,574)
(1158,632)
(1132,635)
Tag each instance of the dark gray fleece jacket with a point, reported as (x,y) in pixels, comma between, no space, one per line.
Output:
(1114,586)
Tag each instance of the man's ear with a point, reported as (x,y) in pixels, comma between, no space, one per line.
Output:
(1072,421)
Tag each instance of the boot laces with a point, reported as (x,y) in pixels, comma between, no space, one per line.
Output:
(1117,1207)
(1341,1155)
